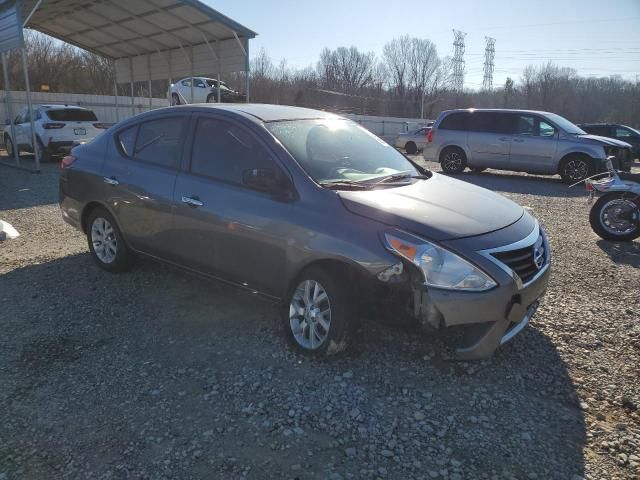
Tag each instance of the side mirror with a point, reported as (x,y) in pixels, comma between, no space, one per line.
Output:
(266,180)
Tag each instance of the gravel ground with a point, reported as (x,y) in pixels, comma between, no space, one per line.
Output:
(158,374)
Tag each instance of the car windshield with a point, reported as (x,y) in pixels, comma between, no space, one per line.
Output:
(339,151)
(71,115)
(565,124)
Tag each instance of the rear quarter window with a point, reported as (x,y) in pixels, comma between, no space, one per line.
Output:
(455,121)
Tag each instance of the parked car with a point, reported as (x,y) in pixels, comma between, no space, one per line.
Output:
(312,211)
(58,129)
(520,140)
(205,90)
(619,132)
(414,141)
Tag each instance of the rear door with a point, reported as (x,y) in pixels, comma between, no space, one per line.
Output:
(534,145)
(222,227)
(140,174)
(489,140)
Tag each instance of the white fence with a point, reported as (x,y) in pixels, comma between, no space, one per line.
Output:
(105,108)
(103,105)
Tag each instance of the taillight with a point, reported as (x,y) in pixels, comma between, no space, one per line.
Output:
(67,161)
(52,126)
(430,136)
(102,126)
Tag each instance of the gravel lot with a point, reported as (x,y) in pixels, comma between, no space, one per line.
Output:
(158,374)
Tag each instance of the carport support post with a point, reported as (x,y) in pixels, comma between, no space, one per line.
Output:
(30,106)
(246,49)
(115,89)
(9,108)
(192,79)
(133,108)
(149,80)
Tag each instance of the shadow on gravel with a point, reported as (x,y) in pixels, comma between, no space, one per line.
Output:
(190,377)
(622,253)
(518,183)
(23,189)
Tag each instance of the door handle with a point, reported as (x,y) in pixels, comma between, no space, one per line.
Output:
(192,201)
(111,180)
(504,139)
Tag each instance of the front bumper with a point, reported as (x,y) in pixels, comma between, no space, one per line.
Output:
(486,320)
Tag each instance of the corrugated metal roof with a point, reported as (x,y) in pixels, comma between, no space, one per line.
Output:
(125,28)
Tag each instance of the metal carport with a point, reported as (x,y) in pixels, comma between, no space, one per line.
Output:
(147,39)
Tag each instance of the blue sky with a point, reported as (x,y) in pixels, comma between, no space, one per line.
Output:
(596,37)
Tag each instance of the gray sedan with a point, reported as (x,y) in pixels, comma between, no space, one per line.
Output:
(312,211)
(413,141)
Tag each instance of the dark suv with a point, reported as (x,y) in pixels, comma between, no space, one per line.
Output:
(614,130)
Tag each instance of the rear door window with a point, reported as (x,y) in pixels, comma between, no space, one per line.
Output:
(72,115)
(455,121)
(160,141)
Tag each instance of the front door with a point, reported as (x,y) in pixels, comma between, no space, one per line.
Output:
(139,177)
(534,144)
(223,227)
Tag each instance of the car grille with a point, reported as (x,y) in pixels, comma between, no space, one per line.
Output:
(525,262)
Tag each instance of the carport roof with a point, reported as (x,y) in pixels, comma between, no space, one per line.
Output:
(121,29)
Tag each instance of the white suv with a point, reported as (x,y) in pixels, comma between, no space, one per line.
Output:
(58,129)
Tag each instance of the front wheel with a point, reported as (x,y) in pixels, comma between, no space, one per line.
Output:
(575,168)
(616,216)
(319,315)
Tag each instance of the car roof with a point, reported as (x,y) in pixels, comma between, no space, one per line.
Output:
(62,107)
(270,113)
(505,110)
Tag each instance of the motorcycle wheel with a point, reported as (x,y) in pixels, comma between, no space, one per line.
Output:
(616,216)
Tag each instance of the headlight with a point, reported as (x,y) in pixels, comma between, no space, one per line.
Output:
(440,267)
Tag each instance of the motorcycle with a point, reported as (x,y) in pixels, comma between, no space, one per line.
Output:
(616,214)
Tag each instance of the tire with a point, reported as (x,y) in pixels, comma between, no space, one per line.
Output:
(411,148)
(117,257)
(8,143)
(42,152)
(575,168)
(598,216)
(477,169)
(175,99)
(453,160)
(331,337)
(212,98)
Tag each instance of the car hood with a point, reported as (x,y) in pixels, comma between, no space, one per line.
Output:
(439,208)
(612,142)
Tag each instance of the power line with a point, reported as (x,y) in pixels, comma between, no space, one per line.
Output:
(489,55)
(458,60)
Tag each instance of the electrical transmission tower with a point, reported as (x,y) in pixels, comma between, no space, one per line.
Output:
(489,55)
(458,60)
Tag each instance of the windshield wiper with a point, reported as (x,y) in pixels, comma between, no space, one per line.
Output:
(345,184)
(399,176)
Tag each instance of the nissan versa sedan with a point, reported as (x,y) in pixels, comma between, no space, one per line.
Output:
(312,211)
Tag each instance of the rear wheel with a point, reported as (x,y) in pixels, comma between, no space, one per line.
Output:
(453,160)
(411,148)
(175,99)
(106,244)
(616,216)
(8,145)
(42,152)
(318,317)
(575,168)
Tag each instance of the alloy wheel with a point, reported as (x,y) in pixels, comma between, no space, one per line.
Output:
(615,216)
(104,241)
(452,161)
(310,315)
(576,170)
